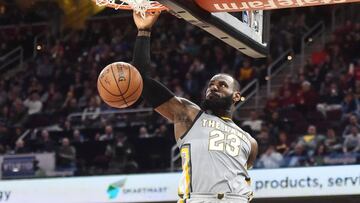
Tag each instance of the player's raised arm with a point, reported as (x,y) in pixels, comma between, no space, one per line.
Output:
(178,110)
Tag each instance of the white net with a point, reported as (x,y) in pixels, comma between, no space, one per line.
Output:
(140,6)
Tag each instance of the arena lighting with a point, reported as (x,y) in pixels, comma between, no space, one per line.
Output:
(38,47)
(289,58)
(2,9)
(242,99)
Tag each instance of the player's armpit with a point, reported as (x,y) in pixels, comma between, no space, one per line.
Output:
(178,110)
(253,153)
(181,112)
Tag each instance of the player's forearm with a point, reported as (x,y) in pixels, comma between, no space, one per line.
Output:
(153,92)
(141,57)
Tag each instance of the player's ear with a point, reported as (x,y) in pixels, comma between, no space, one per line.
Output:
(236,97)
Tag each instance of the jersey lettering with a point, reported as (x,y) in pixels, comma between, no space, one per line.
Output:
(219,141)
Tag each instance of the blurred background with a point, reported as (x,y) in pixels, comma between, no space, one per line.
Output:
(301,103)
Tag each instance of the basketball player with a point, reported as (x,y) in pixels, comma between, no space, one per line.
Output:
(215,152)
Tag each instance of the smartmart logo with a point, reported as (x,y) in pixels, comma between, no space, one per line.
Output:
(118,187)
(115,188)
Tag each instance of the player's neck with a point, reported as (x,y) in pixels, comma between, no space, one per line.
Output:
(226,114)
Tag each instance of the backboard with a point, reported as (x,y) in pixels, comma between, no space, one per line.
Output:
(246,31)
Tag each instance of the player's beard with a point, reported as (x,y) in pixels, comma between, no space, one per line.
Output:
(217,103)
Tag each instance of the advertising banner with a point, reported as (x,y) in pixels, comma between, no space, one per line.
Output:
(267,183)
(18,166)
(246,5)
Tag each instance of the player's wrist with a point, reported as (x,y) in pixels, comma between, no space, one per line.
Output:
(144,32)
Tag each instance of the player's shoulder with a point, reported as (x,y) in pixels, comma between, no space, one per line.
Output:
(191,111)
(188,103)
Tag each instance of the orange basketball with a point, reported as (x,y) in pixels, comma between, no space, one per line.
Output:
(120,84)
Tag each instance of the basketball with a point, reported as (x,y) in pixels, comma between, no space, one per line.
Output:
(119,84)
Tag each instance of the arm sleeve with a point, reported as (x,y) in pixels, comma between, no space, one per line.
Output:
(154,92)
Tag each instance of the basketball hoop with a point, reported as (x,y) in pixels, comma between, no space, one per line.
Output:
(140,6)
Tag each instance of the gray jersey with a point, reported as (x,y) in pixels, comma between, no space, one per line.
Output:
(214,155)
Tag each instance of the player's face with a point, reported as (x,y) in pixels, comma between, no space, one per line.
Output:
(220,86)
(220,93)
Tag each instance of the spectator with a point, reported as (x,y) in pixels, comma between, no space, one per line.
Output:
(66,155)
(254,122)
(18,112)
(288,101)
(297,157)
(286,86)
(331,100)
(108,135)
(263,139)
(78,138)
(20,147)
(143,133)
(70,106)
(283,145)
(349,106)
(124,154)
(272,104)
(307,98)
(318,56)
(352,141)
(85,98)
(33,103)
(326,83)
(320,153)
(353,122)
(332,142)
(311,139)
(45,143)
(276,124)
(44,69)
(91,114)
(54,102)
(246,73)
(191,85)
(162,131)
(271,158)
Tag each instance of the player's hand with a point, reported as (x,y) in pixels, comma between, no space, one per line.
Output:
(147,22)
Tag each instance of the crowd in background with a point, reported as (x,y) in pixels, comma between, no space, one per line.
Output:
(314,117)
(61,81)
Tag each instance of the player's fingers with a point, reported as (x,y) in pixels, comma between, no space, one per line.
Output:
(154,13)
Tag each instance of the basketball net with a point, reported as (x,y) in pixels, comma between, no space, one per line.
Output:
(139,6)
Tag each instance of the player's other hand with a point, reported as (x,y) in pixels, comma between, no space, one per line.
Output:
(147,22)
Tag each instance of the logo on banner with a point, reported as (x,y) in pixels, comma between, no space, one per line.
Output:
(118,187)
(18,166)
(114,189)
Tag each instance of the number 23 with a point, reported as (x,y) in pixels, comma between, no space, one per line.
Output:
(220,142)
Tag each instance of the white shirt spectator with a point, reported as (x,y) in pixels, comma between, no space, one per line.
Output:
(33,103)
(352,141)
(254,123)
(271,158)
(108,135)
(143,133)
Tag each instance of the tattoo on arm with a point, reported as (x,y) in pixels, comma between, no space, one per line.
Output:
(181,117)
